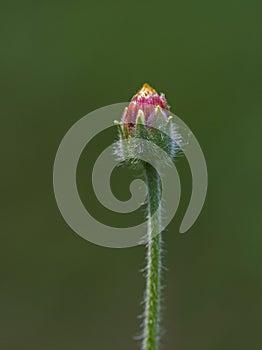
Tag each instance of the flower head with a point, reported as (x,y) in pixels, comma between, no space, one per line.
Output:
(147,104)
(147,117)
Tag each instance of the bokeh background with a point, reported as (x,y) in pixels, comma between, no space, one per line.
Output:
(61,60)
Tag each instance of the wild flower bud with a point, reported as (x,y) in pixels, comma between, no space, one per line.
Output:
(146,105)
(147,117)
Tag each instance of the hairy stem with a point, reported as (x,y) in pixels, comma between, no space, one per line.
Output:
(153,265)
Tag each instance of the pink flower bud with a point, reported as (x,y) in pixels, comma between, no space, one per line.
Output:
(147,104)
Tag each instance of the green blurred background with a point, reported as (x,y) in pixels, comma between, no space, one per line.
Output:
(61,60)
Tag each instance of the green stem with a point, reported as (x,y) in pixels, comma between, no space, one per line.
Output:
(153,266)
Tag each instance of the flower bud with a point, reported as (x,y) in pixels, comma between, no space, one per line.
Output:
(147,117)
(145,106)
